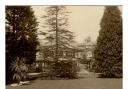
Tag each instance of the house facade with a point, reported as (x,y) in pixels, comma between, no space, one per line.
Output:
(83,51)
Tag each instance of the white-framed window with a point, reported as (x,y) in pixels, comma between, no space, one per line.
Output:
(89,54)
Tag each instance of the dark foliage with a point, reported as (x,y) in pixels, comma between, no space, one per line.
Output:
(21,35)
(108,52)
(67,69)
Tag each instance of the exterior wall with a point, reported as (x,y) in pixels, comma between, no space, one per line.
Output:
(63,53)
(87,55)
(83,52)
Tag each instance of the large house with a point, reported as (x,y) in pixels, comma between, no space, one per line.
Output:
(47,54)
(83,51)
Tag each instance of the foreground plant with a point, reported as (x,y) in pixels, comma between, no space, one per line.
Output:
(19,69)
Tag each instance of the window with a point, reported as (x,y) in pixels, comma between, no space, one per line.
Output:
(89,54)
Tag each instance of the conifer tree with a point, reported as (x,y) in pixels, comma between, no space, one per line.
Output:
(108,52)
(60,37)
(21,35)
(57,22)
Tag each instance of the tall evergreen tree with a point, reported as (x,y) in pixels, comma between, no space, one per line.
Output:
(108,52)
(21,35)
(57,22)
(60,38)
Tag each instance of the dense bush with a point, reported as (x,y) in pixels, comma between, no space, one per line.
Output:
(66,69)
(32,68)
(114,72)
(61,68)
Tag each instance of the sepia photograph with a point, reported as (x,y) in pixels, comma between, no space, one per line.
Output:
(63,47)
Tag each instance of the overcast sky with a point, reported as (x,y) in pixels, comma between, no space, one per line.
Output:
(84,20)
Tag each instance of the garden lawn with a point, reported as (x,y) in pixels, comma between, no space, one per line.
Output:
(83,83)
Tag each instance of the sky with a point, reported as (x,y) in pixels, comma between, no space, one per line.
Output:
(84,20)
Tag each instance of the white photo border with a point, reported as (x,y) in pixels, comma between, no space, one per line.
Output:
(124,4)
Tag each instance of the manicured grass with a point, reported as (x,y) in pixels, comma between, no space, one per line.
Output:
(83,83)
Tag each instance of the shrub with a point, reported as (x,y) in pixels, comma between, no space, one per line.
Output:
(61,69)
(107,74)
(19,70)
(66,69)
(114,72)
(117,70)
(32,68)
